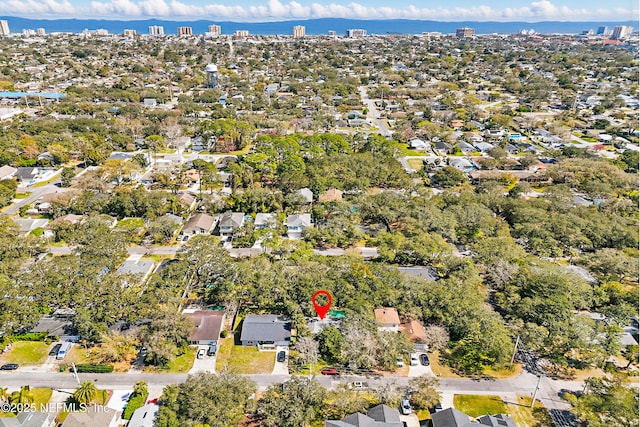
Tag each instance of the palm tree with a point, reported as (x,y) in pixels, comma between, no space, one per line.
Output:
(23,396)
(4,394)
(140,388)
(86,392)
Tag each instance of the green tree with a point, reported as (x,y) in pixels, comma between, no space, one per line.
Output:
(85,392)
(424,393)
(67,176)
(449,176)
(295,403)
(330,342)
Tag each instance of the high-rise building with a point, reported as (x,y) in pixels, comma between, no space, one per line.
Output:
(332,33)
(41,31)
(242,33)
(602,30)
(621,32)
(465,32)
(215,30)
(356,33)
(185,31)
(299,31)
(4,28)
(156,30)
(129,33)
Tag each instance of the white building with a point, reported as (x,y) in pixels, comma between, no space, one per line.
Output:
(299,31)
(156,30)
(4,28)
(215,30)
(356,33)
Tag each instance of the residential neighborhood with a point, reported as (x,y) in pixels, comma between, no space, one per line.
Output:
(172,204)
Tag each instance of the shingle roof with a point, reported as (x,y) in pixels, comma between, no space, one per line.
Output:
(232,219)
(387,315)
(265,327)
(200,221)
(208,324)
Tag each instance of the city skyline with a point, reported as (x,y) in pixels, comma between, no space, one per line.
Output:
(273,10)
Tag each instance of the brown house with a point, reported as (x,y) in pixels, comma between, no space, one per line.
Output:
(331,195)
(207,326)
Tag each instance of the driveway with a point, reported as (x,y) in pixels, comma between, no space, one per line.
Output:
(206,364)
(281,368)
(411,420)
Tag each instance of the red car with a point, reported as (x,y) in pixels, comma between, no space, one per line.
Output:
(329,371)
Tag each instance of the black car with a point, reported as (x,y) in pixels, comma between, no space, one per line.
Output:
(281,356)
(424,359)
(9,367)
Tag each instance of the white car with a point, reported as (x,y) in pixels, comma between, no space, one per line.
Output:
(201,353)
(405,407)
(414,360)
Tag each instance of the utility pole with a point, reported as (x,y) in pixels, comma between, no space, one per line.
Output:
(533,399)
(515,349)
(75,372)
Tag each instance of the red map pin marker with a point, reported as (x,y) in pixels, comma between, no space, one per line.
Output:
(321,309)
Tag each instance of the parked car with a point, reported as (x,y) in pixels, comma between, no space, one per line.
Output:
(9,367)
(405,407)
(399,363)
(329,371)
(212,350)
(414,360)
(201,353)
(424,359)
(282,356)
(436,408)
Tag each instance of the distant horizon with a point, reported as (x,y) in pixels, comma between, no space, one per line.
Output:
(279,10)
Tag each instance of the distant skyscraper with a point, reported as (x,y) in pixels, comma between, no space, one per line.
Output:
(156,30)
(332,33)
(4,28)
(602,30)
(621,32)
(185,31)
(41,31)
(465,32)
(129,33)
(355,33)
(215,30)
(242,33)
(299,31)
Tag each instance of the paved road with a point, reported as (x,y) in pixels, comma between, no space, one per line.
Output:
(36,193)
(373,113)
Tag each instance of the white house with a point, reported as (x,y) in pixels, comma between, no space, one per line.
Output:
(296,223)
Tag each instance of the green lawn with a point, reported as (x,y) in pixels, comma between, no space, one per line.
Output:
(41,396)
(22,195)
(130,223)
(477,405)
(243,360)
(415,164)
(27,353)
(182,363)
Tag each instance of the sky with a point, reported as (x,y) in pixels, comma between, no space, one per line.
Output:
(280,10)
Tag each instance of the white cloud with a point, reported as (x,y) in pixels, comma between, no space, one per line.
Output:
(540,10)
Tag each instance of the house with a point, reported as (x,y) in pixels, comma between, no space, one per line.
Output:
(104,417)
(296,223)
(27,175)
(138,267)
(466,148)
(378,416)
(461,163)
(453,418)
(175,219)
(144,417)
(58,325)
(259,329)
(418,144)
(68,218)
(331,195)
(306,194)
(229,223)
(27,225)
(7,172)
(415,331)
(457,124)
(199,224)
(208,325)
(387,319)
(30,419)
(264,220)
(484,147)
(187,200)
(442,148)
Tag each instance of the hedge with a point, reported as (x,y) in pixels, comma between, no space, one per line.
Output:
(96,368)
(135,401)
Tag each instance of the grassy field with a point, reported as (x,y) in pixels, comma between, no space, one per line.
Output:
(131,223)
(478,405)
(22,195)
(523,415)
(243,360)
(41,396)
(415,164)
(27,353)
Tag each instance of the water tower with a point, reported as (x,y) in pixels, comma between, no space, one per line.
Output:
(212,75)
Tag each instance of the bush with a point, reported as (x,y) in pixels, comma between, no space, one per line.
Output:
(224,334)
(95,368)
(29,336)
(135,401)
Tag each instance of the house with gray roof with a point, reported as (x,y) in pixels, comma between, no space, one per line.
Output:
(7,172)
(199,224)
(229,223)
(106,417)
(451,417)
(378,416)
(137,267)
(144,417)
(296,223)
(258,329)
(30,419)
(306,194)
